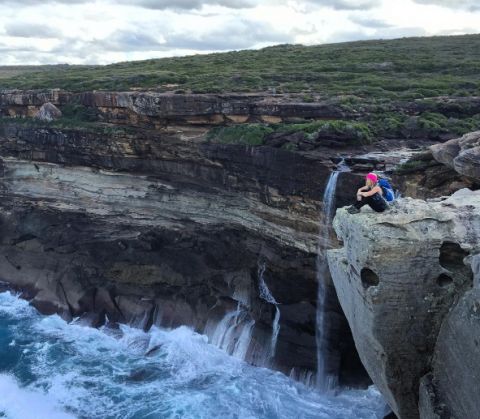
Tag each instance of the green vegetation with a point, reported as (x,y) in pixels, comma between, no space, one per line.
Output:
(376,83)
(408,68)
(68,124)
(314,132)
(411,165)
(358,132)
(425,125)
(79,113)
(251,134)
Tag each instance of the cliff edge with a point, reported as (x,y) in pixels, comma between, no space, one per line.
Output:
(405,281)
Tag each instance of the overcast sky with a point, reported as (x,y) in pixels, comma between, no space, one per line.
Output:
(105,31)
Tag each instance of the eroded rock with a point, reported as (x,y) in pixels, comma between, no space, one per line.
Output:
(397,276)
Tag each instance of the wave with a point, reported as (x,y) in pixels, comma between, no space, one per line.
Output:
(127,373)
(20,403)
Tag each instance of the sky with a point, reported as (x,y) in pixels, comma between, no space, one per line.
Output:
(106,31)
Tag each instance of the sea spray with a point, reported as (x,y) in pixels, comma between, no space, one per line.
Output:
(233,333)
(55,367)
(325,380)
(266,295)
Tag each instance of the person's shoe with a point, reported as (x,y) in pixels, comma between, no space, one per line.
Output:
(353,210)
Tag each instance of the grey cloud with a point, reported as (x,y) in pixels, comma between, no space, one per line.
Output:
(129,41)
(471,5)
(347,4)
(42,2)
(238,35)
(369,22)
(188,4)
(29,30)
(147,4)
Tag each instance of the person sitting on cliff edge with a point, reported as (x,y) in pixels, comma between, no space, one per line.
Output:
(371,194)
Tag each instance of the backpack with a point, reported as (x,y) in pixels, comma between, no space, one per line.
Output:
(387,190)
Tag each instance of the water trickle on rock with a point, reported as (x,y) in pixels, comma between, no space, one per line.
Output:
(325,379)
(266,295)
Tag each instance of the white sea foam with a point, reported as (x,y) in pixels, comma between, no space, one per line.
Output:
(128,373)
(20,403)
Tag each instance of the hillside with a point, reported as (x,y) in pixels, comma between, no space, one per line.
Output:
(406,68)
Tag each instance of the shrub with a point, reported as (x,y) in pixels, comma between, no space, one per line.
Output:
(251,134)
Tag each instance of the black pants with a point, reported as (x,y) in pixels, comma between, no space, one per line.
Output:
(376,202)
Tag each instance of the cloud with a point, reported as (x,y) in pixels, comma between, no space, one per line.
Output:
(471,5)
(42,2)
(187,4)
(125,40)
(30,30)
(148,4)
(384,33)
(369,22)
(347,4)
(237,34)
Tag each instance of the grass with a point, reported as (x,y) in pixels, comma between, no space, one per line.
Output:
(408,68)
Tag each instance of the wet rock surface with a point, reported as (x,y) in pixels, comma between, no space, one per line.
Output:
(404,281)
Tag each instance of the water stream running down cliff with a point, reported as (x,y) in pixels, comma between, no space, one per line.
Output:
(326,380)
(266,295)
(51,369)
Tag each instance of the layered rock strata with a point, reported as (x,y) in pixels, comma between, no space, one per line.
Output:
(156,110)
(163,228)
(404,280)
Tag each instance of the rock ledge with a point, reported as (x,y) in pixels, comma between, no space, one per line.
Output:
(403,279)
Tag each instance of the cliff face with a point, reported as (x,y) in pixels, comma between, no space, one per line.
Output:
(156,110)
(161,227)
(404,279)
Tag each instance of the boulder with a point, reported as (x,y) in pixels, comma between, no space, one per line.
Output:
(48,112)
(397,276)
(461,154)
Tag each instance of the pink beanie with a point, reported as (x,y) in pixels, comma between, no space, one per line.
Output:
(373,177)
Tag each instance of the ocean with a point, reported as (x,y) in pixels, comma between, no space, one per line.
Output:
(51,369)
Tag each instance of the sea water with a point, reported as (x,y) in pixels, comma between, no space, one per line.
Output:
(50,369)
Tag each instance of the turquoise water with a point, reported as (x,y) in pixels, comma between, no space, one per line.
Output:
(52,369)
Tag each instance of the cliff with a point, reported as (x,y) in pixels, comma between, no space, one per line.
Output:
(156,225)
(404,279)
(156,110)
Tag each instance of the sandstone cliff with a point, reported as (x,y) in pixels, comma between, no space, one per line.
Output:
(161,227)
(404,279)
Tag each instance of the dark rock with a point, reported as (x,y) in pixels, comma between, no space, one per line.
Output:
(153,229)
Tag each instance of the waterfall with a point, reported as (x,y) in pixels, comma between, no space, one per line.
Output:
(233,333)
(266,295)
(325,381)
